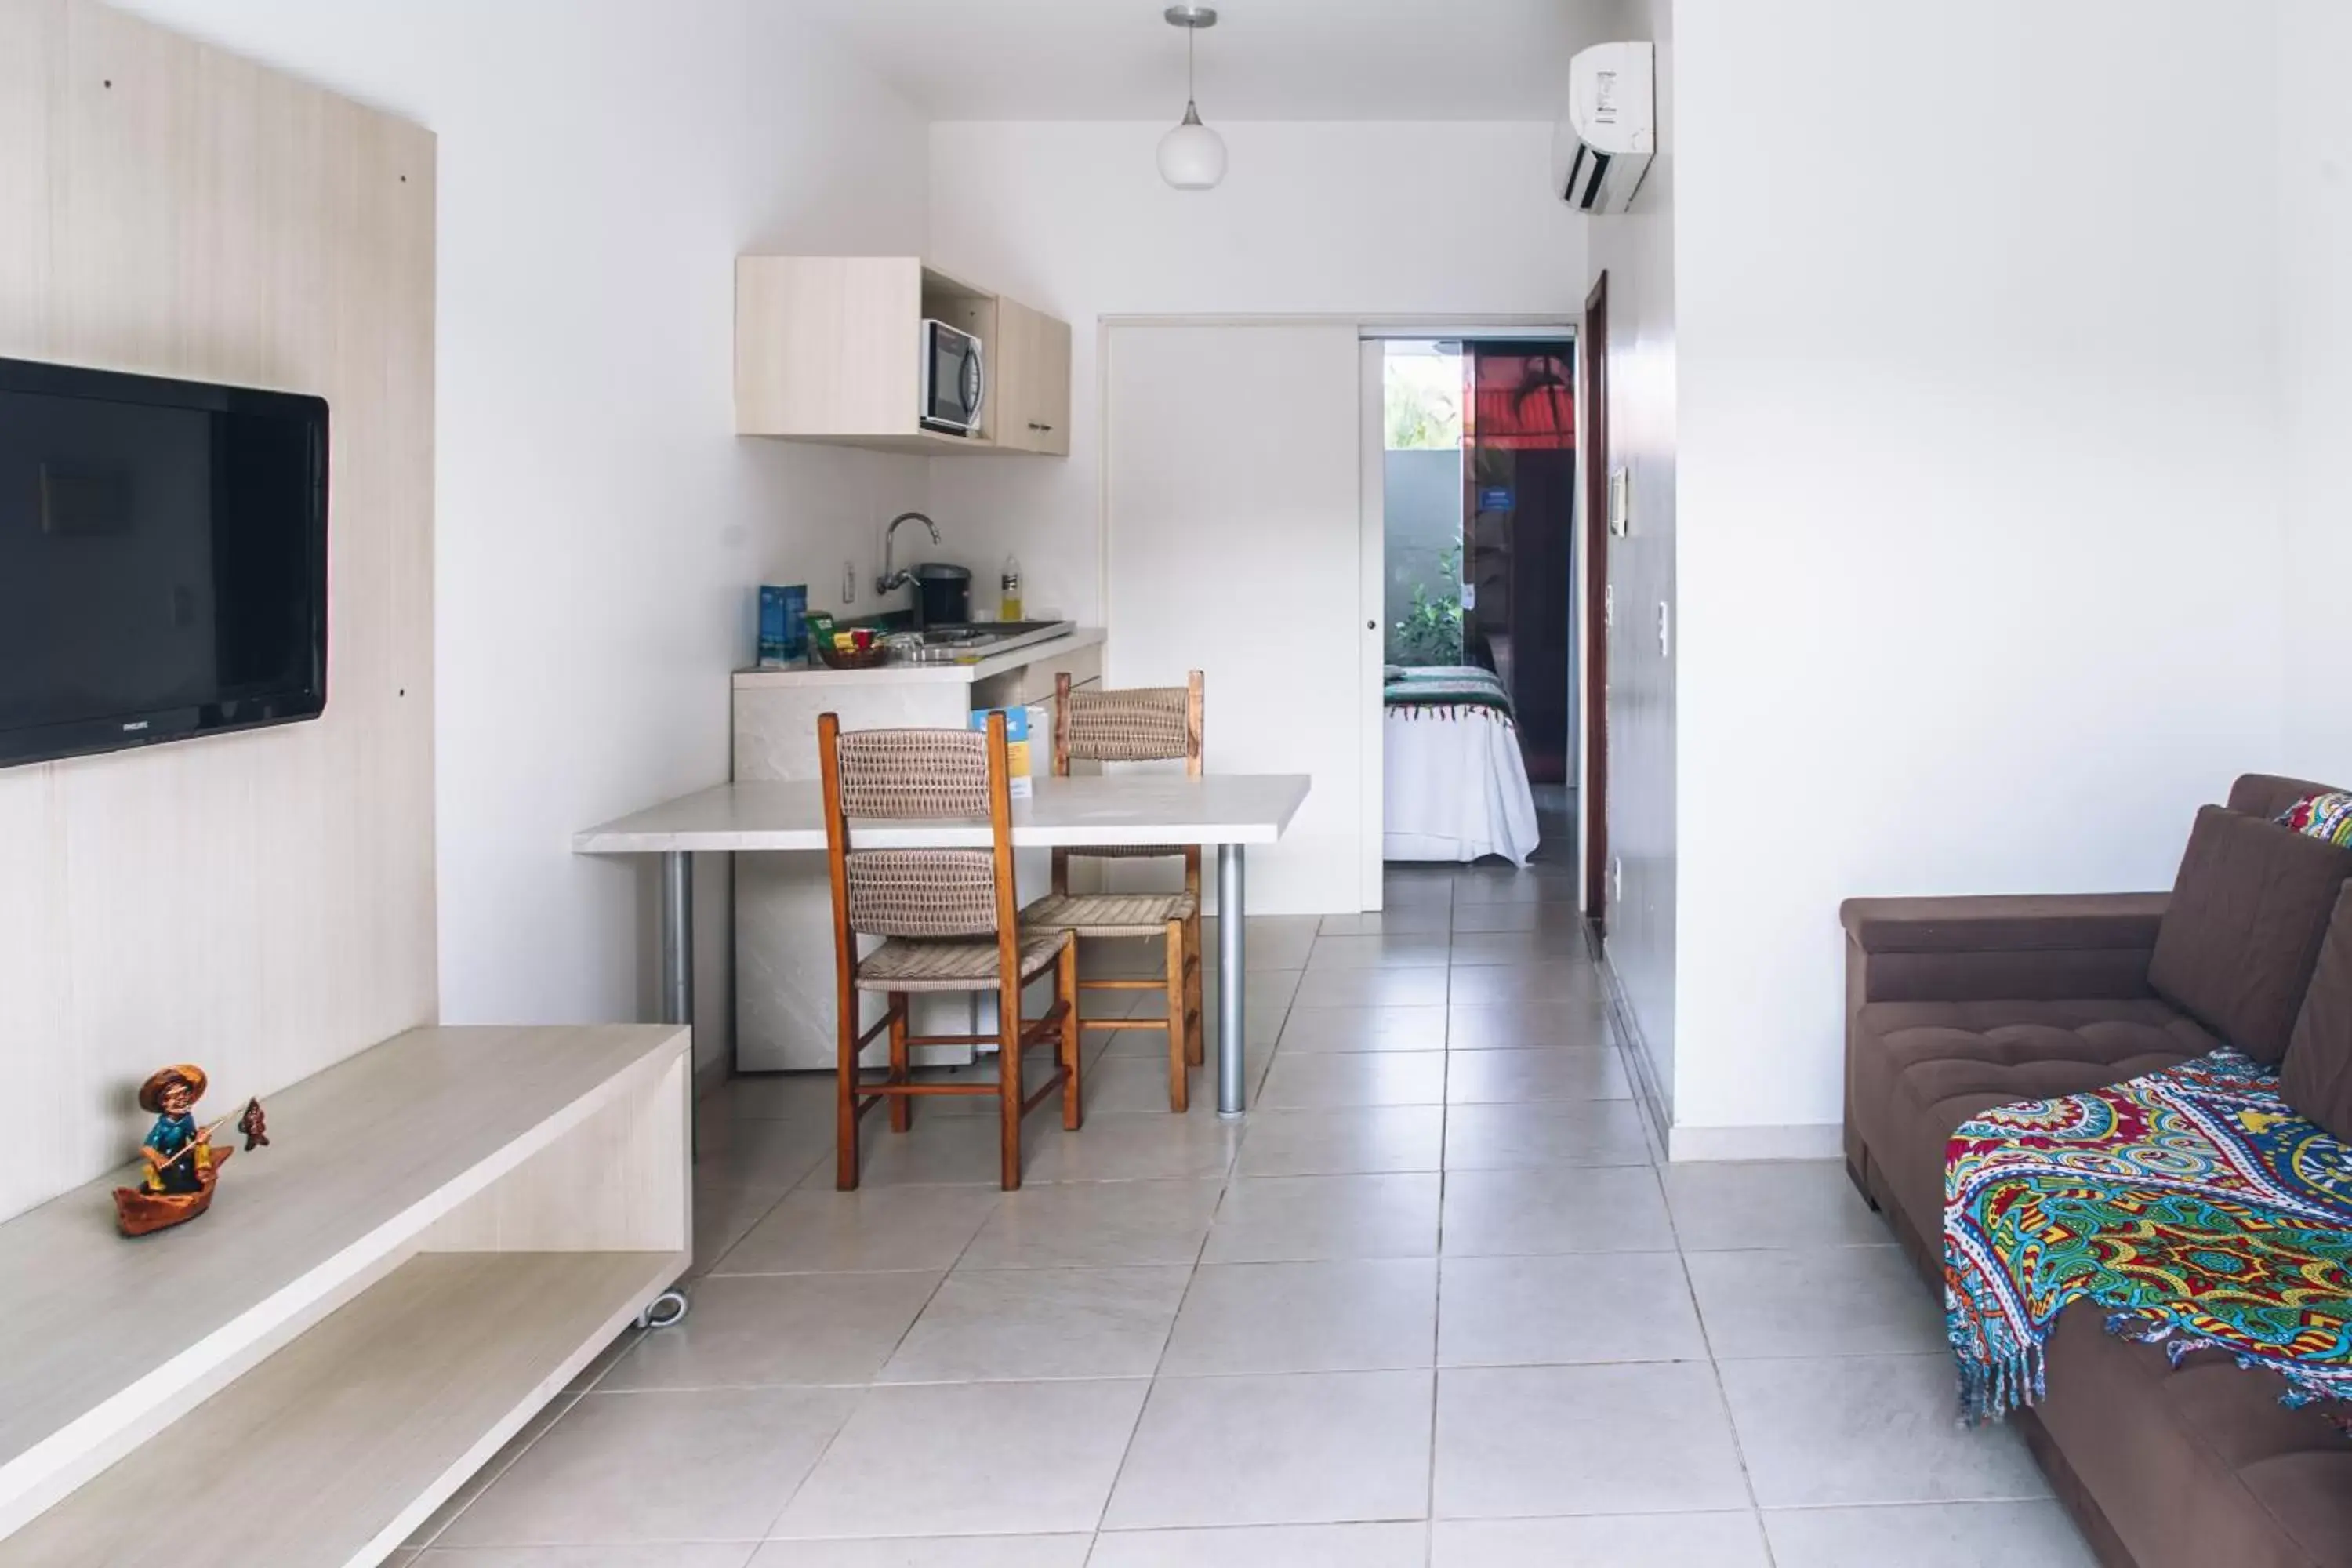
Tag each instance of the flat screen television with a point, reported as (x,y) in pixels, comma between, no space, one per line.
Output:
(163,560)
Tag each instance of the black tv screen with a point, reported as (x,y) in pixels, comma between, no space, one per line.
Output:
(163,560)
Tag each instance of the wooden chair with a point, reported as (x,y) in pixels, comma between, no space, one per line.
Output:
(1140,724)
(950,924)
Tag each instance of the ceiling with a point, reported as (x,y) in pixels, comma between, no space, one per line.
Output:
(1266,59)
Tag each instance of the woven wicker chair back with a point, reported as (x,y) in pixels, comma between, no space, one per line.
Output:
(1140,724)
(906,773)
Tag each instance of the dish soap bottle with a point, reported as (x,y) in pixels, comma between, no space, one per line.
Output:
(1008,602)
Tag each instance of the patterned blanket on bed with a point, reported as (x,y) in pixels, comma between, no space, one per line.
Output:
(2192,1203)
(1446,691)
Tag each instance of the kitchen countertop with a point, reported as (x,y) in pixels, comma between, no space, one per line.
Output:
(924,674)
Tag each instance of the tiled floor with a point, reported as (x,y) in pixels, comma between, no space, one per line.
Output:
(1435,1304)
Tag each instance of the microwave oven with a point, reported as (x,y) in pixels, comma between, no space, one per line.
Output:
(954,381)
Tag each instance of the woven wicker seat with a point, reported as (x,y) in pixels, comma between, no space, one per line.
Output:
(1161,723)
(939,914)
(1109,915)
(954,964)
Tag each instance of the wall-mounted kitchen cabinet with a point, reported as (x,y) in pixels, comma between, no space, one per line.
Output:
(829,349)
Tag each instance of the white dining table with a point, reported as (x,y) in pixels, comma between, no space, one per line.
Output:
(1227,812)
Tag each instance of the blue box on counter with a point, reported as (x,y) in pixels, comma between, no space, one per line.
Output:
(1016,746)
(783,630)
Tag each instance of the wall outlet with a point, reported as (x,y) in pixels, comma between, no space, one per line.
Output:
(1616,879)
(1620,501)
(1665,632)
(849,582)
(1608,606)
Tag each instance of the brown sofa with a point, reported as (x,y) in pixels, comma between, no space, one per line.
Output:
(1958,1004)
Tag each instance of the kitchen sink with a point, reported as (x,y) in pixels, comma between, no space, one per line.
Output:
(965,642)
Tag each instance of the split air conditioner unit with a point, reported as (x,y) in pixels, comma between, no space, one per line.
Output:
(1601,147)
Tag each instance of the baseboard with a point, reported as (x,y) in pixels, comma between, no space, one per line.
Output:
(1804,1140)
(1648,1093)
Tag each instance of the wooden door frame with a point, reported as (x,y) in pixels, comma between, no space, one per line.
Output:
(1593,399)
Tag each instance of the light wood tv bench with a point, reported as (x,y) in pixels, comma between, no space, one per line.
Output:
(443,1232)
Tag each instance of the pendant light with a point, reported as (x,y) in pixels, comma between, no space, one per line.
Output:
(1192,156)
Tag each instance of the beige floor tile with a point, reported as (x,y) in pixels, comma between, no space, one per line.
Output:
(944,1148)
(1269,986)
(1265,1546)
(1519,1078)
(1934,1535)
(1139,1146)
(975,1458)
(1483,886)
(1592,1307)
(1845,1430)
(1371,988)
(1493,985)
(1624,1540)
(1424,891)
(1815,1301)
(1546,1132)
(1122,1083)
(478,1483)
(1103,1224)
(1327,1029)
(1030,1325)
(1379,952)
(1722,1205)
(723,1214)
(1407,920)
(1554,1209)
(1527,915)
(776,1096)
(1357,1315)
(1353,1141)
(704,1464)
(750,1330)
(1534,1441)
(1313,1081)
(669,1554)
(934,1552)
(1314,1449)
(1309,1218)
(771,1152)
(1549,948)
(1276,941)
(1528,1025)
(865,1231)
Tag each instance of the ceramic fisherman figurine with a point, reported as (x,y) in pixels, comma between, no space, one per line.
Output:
(171,1168)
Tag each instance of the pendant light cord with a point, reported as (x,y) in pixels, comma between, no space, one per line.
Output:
(1189,33)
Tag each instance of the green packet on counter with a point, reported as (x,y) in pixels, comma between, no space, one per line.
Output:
(820,628)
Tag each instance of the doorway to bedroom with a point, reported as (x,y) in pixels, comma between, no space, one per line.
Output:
(1479,485)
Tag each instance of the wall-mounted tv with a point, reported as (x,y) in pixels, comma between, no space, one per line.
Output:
(163,560)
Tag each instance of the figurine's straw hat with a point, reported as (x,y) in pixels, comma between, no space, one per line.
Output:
(150,1094)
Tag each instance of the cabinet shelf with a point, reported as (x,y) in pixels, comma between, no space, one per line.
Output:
(828,349)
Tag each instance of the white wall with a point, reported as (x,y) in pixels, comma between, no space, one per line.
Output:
(1979,552)
(600,532)
(1437,218)
(1637,251)
(2315,50)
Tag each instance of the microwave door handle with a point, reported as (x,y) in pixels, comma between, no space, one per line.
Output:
(978,380)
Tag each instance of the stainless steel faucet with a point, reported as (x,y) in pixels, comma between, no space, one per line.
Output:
(890,579)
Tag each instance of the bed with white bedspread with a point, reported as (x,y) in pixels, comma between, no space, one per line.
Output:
(1457,787)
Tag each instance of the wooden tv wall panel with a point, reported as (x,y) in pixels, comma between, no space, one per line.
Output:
(260,903)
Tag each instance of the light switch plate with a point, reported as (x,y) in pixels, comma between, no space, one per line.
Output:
(1665,632)
(1620,501)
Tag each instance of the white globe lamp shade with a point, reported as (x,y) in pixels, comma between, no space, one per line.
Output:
(1193,156)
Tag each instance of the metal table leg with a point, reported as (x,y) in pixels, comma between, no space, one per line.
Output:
(1232,1031)
(668,1308)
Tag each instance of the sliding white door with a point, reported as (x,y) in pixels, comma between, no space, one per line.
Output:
(1235,547)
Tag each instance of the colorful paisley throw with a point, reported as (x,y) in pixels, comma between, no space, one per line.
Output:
(2192,1203)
